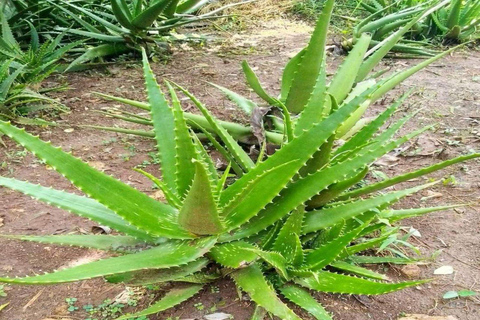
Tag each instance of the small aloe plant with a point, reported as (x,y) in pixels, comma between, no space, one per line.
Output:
(287,224)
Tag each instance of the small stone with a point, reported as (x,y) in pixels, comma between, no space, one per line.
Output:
(411,271)
(426,317)
(158,195)
(69,130)
(97,165)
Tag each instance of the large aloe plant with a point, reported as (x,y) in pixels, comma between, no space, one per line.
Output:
(450,21)
(111,27)
(287,224)
(22,71)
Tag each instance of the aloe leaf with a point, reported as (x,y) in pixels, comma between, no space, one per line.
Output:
(164,127)
(357,270)
(300,149)
(254,83)
(184,147)
(303,299)
(238,132)
(171,198)
(260,191)
(364,135)
(276,260)
(454,15)
(286,242)
(166,255)
(305,188)
(405,177)
(317,106)
(82,206)
(208,162)
(337,283)
(7,34)
(233,147)
(385,46)
(245,104)
(134,206)
(375,260)
(145,18)
(397,215)
(251,281)
(289,74)
(152,276)
(199,278)
(310,65)
(189,6)
(101,242)
(6,84)
(356,116)
(199,213)
(171,299)
(397,78)
(259,313)
(336,189)
(122,13)
(345,76)
(94,16)
(328,252)
(234,254)
(221,149)
(366,245)
(320,219)
(100,51)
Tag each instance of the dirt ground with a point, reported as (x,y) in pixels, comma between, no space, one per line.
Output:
(448,94)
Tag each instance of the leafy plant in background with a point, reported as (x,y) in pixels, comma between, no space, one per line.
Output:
(287,223)
(22,72)
(446,21)
(112,27)
(458,22)
(404,23)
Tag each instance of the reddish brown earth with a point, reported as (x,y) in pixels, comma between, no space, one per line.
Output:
(448,94)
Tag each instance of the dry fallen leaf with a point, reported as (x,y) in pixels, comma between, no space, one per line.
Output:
(444,270)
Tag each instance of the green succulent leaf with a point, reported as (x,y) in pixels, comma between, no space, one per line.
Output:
(82,206)
(287,240)
(308,69)
(303,299)
(101,242)
(171,299)
(337,283)
(328,252)
(252,281)
(166,255)
(357,270)
(132,205)
(234,254)
(320,219)
(152,276)
(199,213)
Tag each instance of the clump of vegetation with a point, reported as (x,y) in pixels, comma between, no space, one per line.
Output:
(109,27)
(424,23)
(286,223)
(23,70)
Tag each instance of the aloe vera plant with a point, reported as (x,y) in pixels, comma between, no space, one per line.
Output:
(443,21)
(458,22)
(112,27)
(22,71)
(287,224)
